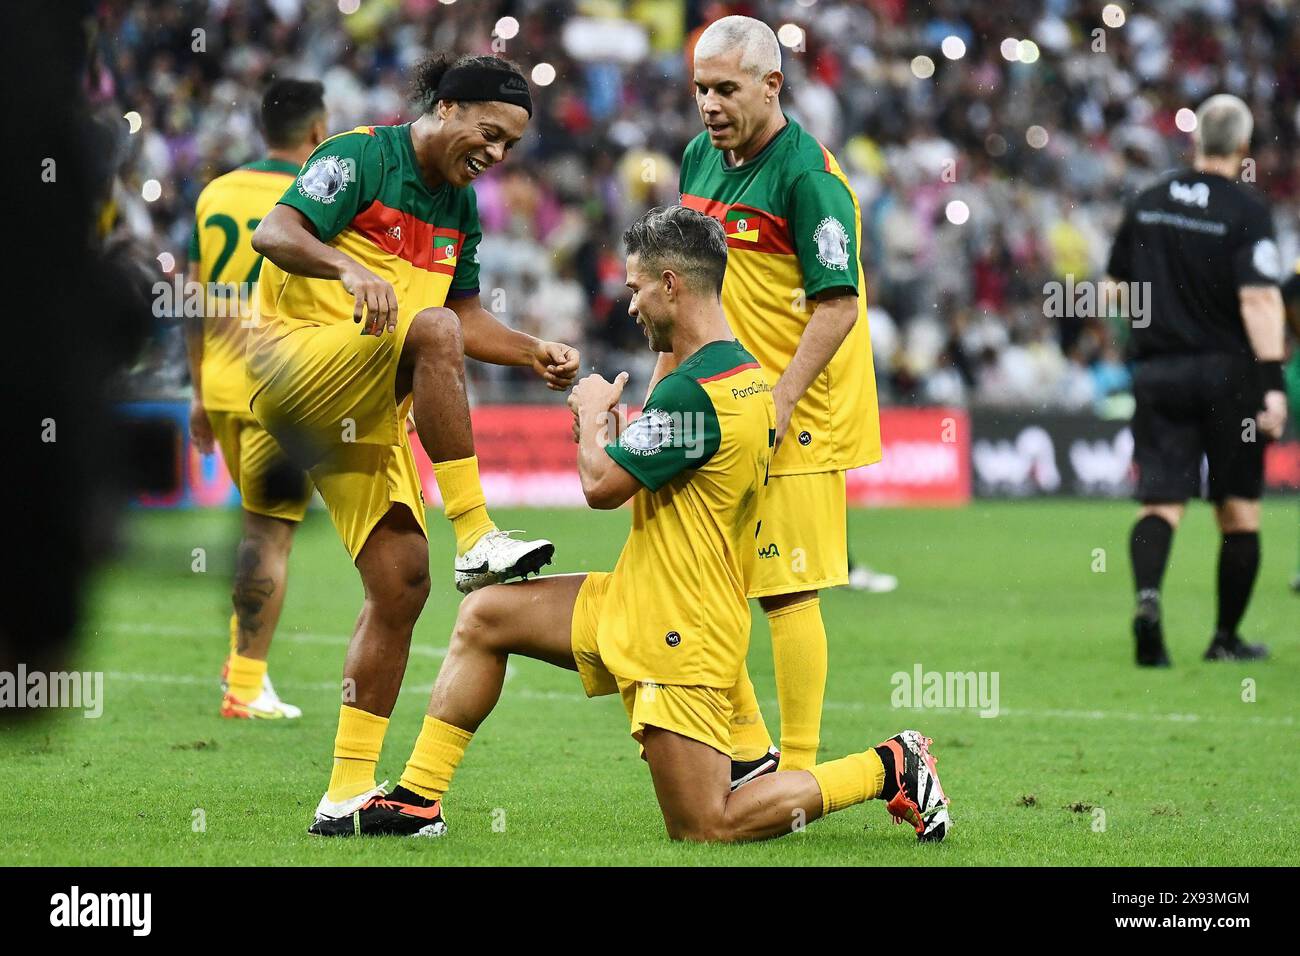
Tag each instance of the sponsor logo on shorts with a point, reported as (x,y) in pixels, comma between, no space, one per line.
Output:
(769,551)
(672,638)
(805,438)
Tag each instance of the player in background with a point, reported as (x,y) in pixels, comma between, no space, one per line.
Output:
(668,628)
(274,494)
(1291,298)
(369,303)
(794,295)
(1207,368)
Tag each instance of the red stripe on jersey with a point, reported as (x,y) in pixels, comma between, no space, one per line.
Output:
(401,234)
(773,231)
(730,372)
(710,207)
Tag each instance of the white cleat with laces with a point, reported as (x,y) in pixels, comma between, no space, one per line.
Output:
(328,809)
(497,557)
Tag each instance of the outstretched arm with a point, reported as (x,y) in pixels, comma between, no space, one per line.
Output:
(487,339)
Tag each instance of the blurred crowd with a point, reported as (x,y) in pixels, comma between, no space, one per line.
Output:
(982,176)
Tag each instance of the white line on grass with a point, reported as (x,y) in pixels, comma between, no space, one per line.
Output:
(342,640)
(554,695)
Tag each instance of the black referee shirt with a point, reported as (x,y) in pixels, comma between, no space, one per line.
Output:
(1197,238)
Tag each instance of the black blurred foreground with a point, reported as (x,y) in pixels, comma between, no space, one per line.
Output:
(77,311)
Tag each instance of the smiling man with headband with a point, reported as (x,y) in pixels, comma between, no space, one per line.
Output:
(369,301)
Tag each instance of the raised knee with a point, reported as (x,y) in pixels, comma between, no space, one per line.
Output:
(437,330)
(477,619)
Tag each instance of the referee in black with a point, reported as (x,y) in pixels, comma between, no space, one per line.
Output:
(1207,368)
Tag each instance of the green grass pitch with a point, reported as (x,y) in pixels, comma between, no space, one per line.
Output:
(1091,762)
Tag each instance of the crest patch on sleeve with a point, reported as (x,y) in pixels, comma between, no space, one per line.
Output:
(323,180)
(832,243)
(650,433)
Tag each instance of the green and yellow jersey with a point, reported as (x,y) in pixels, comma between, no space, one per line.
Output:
(794,231)
(363,193)
(227,212)
(675,610)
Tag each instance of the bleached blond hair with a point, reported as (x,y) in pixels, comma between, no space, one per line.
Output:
(760,53)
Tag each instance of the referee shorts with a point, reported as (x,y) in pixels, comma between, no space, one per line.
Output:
(1194,407)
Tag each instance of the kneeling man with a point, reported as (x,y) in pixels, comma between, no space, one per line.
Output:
(668,628)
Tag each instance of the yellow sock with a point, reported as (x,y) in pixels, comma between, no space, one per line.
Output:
(234,634)
(849,780)
(462,500)
(437,753)
(749,737)
(799,654)
(356,752)
(245,677)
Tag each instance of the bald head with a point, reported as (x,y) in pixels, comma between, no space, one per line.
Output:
(1223,127)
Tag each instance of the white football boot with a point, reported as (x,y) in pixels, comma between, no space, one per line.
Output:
(267,706)
(863,578)
(268,692)
(497,557)
(328,809)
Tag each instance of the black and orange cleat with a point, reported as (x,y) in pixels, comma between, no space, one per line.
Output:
(393,815)
(743,771)
(912,789)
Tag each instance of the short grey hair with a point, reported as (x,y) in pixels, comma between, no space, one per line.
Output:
(1223,126)
(760,53)
(685,241)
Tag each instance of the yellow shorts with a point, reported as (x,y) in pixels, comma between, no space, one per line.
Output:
(700,713)
(359,485)
(326,393)
(268,483)
(803,539)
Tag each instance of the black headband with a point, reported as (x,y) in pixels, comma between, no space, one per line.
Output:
(479,84)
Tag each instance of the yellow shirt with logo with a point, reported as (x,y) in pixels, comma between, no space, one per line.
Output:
(675,611)
(794,231)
